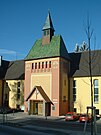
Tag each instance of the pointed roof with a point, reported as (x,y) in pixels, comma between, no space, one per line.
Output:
(42,92)
(48,23)
(56,48)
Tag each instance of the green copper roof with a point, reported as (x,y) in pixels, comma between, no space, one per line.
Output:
(48,23)
(55,48)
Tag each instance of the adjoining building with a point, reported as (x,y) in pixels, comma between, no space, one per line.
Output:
(14,79)
(4,95)
(80,84)
(11,84)
(52,80)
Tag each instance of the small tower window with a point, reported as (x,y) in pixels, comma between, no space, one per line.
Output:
(32,65)
(39,65)
(42,64)
(49,64)
(46,64)
(35,65)
(46,32)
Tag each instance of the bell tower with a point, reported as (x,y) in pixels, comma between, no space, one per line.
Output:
(48,30)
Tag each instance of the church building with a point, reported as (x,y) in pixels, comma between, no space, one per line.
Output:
(46,74)
(51,80)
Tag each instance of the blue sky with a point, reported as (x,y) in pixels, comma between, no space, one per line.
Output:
(21,23)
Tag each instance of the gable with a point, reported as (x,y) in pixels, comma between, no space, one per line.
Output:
(41,91)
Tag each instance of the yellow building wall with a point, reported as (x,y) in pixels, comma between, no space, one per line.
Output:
(12,87)
(71,104)
(83,94)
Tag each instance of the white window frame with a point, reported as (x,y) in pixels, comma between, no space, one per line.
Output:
(96,94)
(74,88)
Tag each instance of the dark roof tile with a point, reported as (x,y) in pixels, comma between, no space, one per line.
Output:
(16,70)
(79,66)
(3,68)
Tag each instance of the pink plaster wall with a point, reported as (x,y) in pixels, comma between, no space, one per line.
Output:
(57,69)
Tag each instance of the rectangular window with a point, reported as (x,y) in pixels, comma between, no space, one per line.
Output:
(49,64)
(32,65)
(75,110)
(18,84)
(18,96)
(64,98)
(97,111)
(42,64)
(6,85)
(39,65)
(53,108)
(45,33)
(46,64)
(96,91)
(18,90)
(18,106)
(35,65)
(74,90)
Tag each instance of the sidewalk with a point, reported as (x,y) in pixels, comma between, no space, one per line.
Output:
(21,115)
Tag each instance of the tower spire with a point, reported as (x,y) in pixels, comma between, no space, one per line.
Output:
(48,23)
(48,30)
